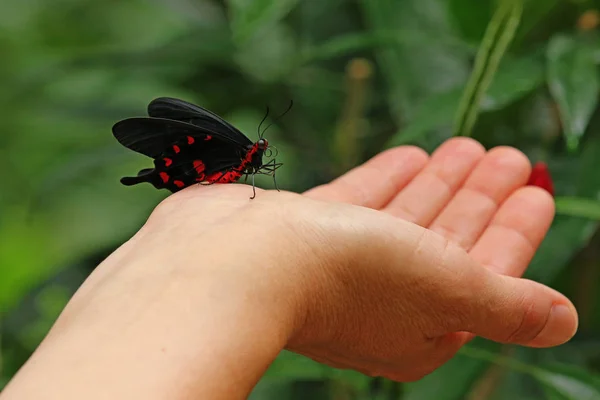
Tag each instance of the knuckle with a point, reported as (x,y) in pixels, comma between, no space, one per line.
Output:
(511,154)
(528,324)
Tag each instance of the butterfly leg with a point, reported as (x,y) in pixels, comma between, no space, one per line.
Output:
(275,180)
(271,167)
(253,188)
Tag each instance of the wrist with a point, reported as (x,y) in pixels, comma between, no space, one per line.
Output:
(165,328)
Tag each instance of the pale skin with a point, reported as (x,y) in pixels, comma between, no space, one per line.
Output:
(387,270)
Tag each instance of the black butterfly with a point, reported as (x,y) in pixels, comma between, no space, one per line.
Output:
(190,144)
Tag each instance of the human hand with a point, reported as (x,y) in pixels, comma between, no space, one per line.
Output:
(214,286)
(476,199)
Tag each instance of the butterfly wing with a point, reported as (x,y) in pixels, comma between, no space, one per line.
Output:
(180,110)
(183,153)
(152,136)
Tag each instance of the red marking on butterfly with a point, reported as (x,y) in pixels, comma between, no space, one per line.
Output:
(190,140)
(176,149)
(164,176)
(199,166)
(167,161)
(179,184)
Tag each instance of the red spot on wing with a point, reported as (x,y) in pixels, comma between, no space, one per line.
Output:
(207,138)
(164,176)
(176,149)
(199,166)
(167,161)
(540,176)
(179,184)
(190,140)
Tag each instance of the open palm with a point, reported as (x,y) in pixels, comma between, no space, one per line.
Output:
(473,197)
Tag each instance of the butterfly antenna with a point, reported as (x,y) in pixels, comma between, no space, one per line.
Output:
(261,122)
(276,119)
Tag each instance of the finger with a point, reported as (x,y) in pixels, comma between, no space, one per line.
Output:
(520,226)
(505,309)
(520,311)
(429,192)
(502,171)
(374,183)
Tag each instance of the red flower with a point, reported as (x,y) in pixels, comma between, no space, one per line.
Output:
(540,176)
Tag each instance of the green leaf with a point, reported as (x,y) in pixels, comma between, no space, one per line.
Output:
(498,36)
(470,17)
(248,17)
(289,365)
(435,112)
(268,55)
(515,79)
(415,71)
(569,234)
(533,16)
(22,267)
(343,45)
(573,82)
(453,380)
(569,382)
(292,389)
(578,207)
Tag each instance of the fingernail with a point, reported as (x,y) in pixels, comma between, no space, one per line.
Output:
(560,328)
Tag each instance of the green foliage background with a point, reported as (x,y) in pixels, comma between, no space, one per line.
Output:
(364,75)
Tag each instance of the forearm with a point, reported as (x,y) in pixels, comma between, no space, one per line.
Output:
(186,334)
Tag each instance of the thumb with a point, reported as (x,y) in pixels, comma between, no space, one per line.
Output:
(521,311)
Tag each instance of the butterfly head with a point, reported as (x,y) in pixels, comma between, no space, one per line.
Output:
(262,144)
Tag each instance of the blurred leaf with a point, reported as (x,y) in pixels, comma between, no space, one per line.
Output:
(342,45)
(573,82)
(568,382)
(248,17)
(416,71)
(552,394)
(498,36)
(292,389)
(269,55)
(514,79)
(471,17)
(533,14)
(569,234)
(291,365)
(26,255)
(578,207)
(435,112)
(452,381)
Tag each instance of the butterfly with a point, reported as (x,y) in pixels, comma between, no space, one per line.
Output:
(190,144)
